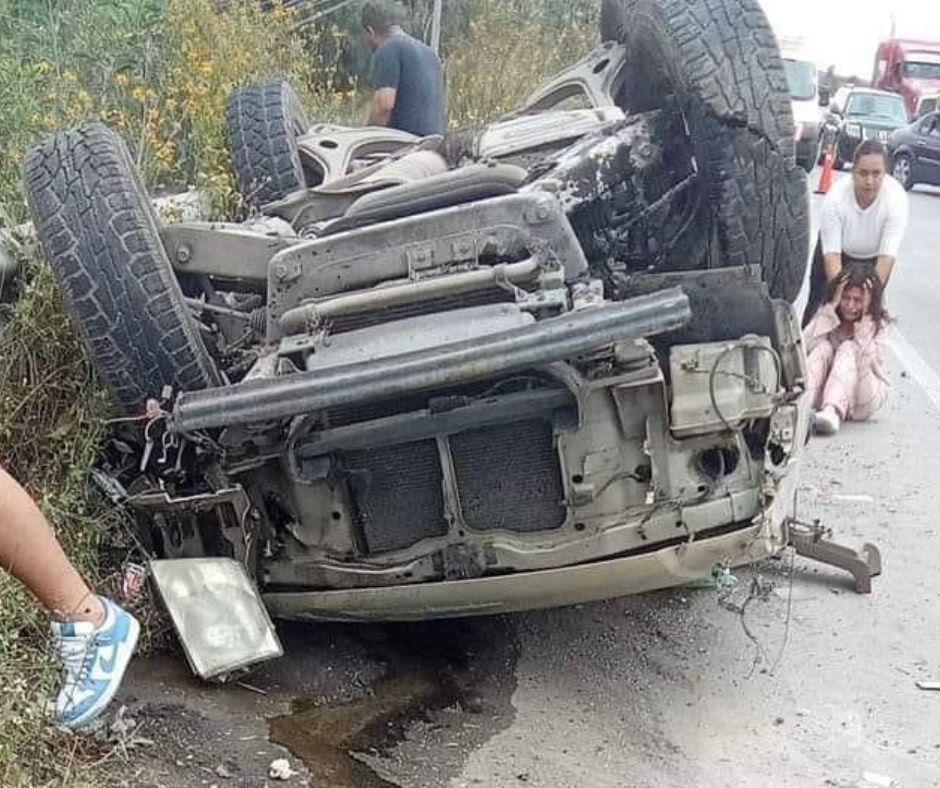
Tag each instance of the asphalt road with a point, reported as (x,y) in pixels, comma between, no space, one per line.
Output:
(813,686)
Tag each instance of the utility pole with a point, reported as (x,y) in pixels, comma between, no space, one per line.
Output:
(436,26)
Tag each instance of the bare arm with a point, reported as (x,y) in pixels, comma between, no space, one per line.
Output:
(892,234)
(383,102)
(884,267)
(833,265)
(830,236)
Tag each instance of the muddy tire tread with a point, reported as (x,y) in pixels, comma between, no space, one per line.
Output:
(100,236)
(261,123)
(723,60)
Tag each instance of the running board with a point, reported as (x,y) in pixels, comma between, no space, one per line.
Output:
(808,541)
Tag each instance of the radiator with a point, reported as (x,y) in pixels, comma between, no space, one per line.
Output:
(398,496)
(508,476)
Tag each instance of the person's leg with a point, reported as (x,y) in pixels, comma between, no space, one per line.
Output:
(818,364)
(871,393)
(93,638)
(30,552)
(839,391)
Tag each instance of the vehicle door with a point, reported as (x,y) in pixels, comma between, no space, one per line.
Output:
(927,149)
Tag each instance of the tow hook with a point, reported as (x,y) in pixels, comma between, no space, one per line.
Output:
(809,540)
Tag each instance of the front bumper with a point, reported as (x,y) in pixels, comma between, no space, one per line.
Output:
(669,566)
(672,565)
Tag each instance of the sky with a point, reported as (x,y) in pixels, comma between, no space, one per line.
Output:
(845,33)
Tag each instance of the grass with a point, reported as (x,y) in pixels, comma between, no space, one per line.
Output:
(159,71)
(52,419)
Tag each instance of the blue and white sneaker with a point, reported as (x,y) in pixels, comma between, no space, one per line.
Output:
(93,662)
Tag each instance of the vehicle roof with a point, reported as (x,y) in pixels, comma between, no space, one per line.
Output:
(914,44)
(874,92)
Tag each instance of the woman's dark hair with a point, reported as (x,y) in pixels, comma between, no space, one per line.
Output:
(863,278)
(871,148)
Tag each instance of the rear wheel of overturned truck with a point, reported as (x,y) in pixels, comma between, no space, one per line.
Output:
(717,64)
(101,237)
(263,124)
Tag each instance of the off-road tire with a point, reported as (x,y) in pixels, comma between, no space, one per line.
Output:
(100,236)
(263,123)
(717,62)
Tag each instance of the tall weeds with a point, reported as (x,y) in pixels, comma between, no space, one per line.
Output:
(506,53)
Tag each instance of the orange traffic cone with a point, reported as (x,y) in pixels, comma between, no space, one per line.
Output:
(825,177)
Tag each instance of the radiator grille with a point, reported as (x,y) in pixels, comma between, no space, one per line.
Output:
(508,476)
(397,494)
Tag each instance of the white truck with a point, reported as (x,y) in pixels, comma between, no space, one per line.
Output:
(803,84)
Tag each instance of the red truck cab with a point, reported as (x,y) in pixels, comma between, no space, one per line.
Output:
(909,67)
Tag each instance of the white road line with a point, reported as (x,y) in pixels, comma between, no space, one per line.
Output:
(916,367)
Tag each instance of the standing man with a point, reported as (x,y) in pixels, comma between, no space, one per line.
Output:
(863,221)
(92,637)
(407,76)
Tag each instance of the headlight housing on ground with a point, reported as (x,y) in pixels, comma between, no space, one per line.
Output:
(217,613)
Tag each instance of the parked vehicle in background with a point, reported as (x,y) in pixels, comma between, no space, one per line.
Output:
(865,114)
(909,67)
(803,84)
(927,104)
(915,152)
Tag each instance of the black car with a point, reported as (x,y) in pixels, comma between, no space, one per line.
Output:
(915,152)
(866,114)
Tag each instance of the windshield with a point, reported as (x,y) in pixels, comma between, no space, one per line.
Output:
(801,78)
(889,108)
(922,70)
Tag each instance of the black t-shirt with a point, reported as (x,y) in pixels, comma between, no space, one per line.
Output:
(415,72)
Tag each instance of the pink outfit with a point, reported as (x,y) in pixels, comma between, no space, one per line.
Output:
(847,374)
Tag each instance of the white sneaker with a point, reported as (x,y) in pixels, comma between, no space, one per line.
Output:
(827,421)
(93,662)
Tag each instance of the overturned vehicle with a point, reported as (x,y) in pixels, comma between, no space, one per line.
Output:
(548,361)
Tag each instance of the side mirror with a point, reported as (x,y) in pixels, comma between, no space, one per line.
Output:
(834,109)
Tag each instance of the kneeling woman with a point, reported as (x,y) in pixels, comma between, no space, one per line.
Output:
(845,345)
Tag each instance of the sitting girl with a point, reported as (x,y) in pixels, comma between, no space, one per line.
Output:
(845,346)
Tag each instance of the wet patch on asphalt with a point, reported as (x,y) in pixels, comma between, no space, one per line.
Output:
(327,737)
(444,679)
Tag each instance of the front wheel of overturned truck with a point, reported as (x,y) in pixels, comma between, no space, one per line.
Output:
(717,63)
(101,237)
